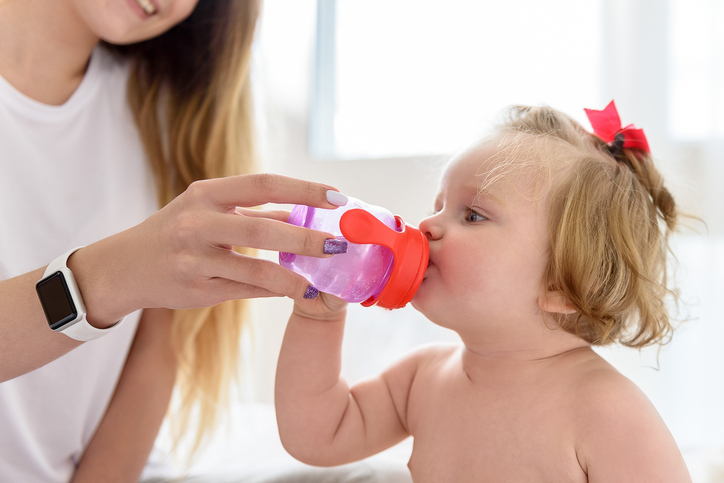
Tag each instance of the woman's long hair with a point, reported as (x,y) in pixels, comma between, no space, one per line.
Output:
(190,94)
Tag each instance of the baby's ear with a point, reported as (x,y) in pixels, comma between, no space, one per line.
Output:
(554,302)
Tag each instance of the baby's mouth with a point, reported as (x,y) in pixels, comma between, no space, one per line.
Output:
(429,264)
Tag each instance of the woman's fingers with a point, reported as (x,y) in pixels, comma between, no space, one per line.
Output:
(264,233)
(181,254)
(269,277)
(279,215)
(259,189)
(231,290)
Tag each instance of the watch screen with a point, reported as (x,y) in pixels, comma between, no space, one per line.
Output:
(56,300)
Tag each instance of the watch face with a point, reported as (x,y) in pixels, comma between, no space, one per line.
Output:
(56,300)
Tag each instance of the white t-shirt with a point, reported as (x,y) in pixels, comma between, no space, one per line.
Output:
(69,176)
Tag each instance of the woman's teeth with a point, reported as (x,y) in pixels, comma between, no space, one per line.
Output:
(147,6)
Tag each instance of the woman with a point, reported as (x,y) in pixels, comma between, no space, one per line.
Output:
(109,110)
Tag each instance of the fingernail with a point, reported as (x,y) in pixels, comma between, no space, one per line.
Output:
(336,198)
(311,293)
(332,246)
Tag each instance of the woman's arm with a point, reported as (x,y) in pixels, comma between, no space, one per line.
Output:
(26,341)
(120,447)
(322,421)
(180,257)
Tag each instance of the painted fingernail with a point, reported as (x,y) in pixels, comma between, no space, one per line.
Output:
(332,246)
(311,293)
(336,198)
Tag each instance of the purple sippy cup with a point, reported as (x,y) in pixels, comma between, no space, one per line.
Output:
(385,260)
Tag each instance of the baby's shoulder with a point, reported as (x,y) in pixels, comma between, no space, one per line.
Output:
(415,368)
(435,353)
(426,357)
(600,387)
(609,405)
(618,431)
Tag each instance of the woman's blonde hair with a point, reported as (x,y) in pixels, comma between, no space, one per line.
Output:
(610,218)
(189,92)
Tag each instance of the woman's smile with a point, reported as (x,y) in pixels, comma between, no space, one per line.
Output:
(147,6)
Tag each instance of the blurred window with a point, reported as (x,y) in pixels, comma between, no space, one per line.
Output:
(696,72)
(416,77)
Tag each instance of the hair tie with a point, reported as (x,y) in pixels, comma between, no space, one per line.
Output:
(616,147)
(607,126)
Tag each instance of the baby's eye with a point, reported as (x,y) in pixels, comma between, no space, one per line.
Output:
(473,216)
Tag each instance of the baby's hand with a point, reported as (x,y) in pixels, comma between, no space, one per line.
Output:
(324,307)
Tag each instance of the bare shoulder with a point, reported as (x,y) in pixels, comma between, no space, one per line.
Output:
(620,435)
(424,356)
(401,376)
(605,390)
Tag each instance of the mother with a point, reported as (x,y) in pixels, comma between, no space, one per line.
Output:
(110,110)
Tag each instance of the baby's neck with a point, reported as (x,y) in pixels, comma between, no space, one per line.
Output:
(501,359)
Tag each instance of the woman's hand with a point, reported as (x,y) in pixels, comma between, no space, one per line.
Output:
(181,257)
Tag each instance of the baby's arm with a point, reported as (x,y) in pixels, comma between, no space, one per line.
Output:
(623,438)
(120,447)
(322,421)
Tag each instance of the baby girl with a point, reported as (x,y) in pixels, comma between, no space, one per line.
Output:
(545,240)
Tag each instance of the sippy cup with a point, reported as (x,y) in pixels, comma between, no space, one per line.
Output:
(385,259)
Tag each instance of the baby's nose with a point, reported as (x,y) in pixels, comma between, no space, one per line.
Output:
(431,228)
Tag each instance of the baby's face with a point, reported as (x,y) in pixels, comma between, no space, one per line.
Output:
(488,250)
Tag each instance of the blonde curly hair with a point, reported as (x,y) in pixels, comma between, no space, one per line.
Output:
(609,221)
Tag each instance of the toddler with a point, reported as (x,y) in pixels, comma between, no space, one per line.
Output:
(545,241)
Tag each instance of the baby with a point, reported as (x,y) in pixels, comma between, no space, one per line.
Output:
(545,241)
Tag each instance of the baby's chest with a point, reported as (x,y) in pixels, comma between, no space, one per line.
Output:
(462,435)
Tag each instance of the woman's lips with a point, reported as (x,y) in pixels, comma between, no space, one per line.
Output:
(148,7)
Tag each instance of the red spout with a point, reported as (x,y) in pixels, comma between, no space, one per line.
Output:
(409,247)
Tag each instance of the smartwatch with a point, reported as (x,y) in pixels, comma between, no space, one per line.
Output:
(62,303)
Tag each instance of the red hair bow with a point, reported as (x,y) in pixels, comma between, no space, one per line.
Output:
(607,124)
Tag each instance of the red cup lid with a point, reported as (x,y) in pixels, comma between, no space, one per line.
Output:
(409,247)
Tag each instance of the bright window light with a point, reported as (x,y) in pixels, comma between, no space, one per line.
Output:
(696,69)
(417,77)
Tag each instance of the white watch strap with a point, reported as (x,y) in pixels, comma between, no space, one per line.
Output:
(80,329)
